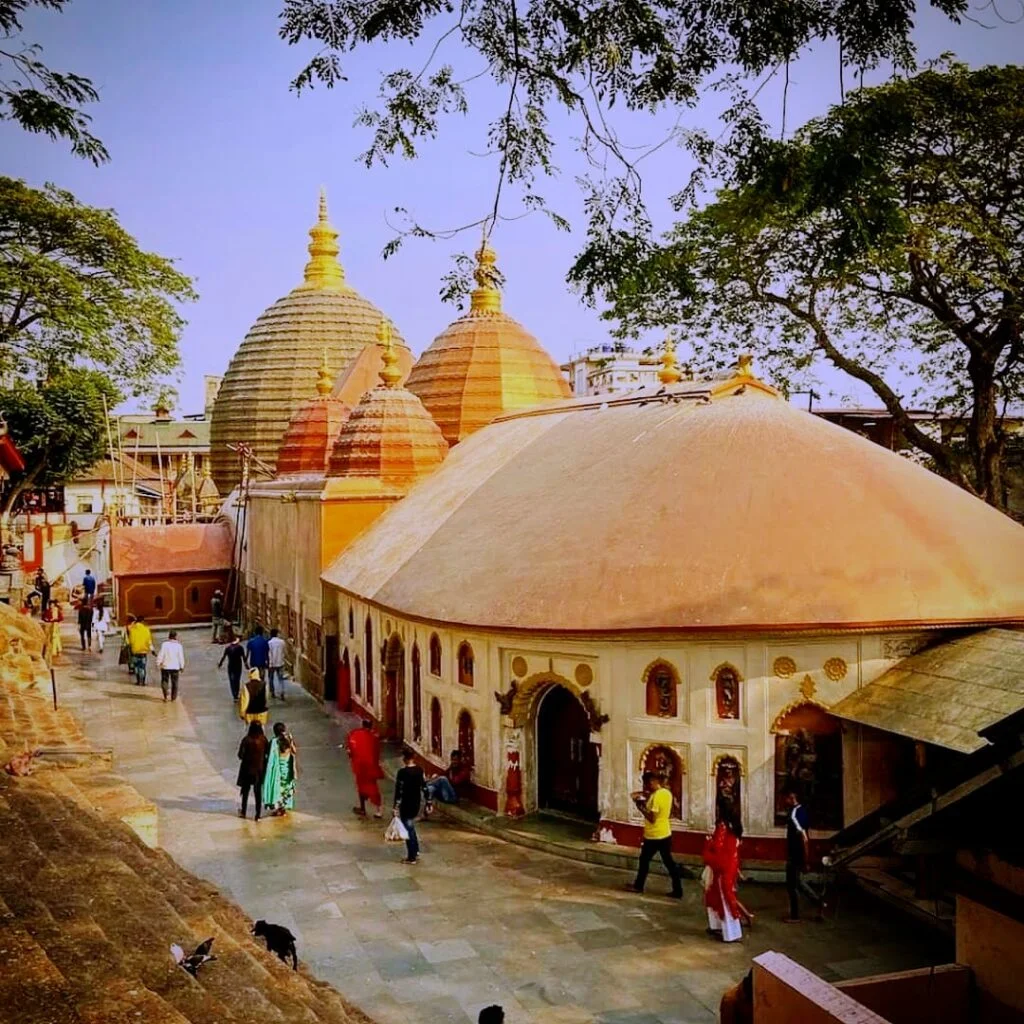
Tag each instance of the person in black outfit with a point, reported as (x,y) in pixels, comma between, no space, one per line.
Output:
(236,658)
(409,783)
(85,617)
(798,848)
(43,586)
(252,752)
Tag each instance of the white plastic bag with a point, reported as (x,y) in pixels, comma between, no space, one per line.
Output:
(395,832)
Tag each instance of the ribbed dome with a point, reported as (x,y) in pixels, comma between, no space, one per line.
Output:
(274,369)
(313,429)
(390,435)
(686,507)
(484,364)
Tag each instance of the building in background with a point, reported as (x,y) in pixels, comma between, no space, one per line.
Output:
(121,486)
(610,367)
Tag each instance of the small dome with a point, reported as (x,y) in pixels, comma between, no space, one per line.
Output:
(313,429)
(390,435)
(484,364)
(273,371)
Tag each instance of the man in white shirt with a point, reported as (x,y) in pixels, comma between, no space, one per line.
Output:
(170,661)
(275,663)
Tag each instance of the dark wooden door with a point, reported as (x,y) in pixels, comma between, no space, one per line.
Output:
(567,761)
(344,697)
(331,668)
(391,724)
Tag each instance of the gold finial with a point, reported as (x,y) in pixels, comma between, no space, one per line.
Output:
(390,374)
(323,377)
(485,297)
(669,372)
(743,365)
(323,269)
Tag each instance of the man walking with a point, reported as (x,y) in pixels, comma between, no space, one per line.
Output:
(798,852)
(43,586)
(363,747)
(85,615)
(234,653)
(657,836)
(171,662)
(408,791)
(259,652)
(140,643)
(275,663)
(217,614)
(89,585)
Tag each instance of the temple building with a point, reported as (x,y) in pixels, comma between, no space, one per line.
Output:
(274,370)
(687,578)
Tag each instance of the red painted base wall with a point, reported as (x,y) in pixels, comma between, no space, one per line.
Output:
(171,598)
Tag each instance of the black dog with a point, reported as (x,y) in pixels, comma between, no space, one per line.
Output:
(279,941)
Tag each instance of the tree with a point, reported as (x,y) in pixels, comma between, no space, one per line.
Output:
(38,99)
(59,426)
(886,238)
(584,58)
(76,288)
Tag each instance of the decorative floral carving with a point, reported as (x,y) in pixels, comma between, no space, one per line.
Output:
(584,674)
(784,666)
(808,688)
(593,712)
(519,666)
(507,699)
(835,669)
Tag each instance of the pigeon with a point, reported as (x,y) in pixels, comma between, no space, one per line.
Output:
(196,959)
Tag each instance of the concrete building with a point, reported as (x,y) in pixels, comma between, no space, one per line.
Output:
(609,368)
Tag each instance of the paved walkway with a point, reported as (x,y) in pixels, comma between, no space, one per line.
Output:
(477,921)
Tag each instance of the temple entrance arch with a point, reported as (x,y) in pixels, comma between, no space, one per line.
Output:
(393,664)
(567,762)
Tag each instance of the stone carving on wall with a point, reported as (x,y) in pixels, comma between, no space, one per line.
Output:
(835,669)
(660,758)
(661,686)
(902,646)
(513,785)
(727,691)
(519,666)
(584,674)
(593,712)
(808,688)
(508,698)
(728,776)
(784,666)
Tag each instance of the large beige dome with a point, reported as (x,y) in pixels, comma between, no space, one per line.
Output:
(275,368)
(696,508)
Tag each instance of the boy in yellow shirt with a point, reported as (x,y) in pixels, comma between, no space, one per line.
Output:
(657,835)
(140,642)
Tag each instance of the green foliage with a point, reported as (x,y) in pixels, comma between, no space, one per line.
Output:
(76,289)
(584,58)
(886,237)
(37,98)
(59,426)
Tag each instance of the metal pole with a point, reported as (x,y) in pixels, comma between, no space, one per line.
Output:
(53,685)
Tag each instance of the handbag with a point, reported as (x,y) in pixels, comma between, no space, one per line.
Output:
(124,655)
(395,832)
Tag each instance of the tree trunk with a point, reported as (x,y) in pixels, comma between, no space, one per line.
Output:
(985,441)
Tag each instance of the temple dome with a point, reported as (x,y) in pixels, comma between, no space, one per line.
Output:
(274,369)
(691,506)
(389,436)
(307,443)
(484,364)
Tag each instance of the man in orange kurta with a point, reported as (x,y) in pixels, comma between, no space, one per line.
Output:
(363,747)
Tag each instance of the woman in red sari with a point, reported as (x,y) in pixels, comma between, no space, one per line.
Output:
(364,753)
(722,857)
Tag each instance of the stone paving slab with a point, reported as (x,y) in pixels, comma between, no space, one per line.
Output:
(477,921)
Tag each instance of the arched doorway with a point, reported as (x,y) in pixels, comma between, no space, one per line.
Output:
(344,682)
(467,740)
(809,762)
(394,688)
(567,765)
(417,695)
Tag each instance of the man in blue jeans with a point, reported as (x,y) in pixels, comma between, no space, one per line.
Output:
(258,650)
(446,787)
(275,664)
(409,784)
(89,585)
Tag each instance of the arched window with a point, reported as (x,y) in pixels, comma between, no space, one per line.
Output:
(662,685)
(359,677)
(417,696)
(664,759)
(467,741)
(465,664)
(158,603)
(369,660)
(728,789)
(436,739)
(351,622)
(727,691)
(435,655)
(809,761)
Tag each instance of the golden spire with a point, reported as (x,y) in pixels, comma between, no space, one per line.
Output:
(485,297)
(323,269)
(743,365)
(390,374)
(669,372)
(323,377)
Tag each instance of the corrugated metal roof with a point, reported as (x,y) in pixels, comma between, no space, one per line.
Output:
(945,695)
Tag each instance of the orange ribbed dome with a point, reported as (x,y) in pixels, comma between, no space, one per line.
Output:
(312,431)
(389,435)
(272,372)
(484,364)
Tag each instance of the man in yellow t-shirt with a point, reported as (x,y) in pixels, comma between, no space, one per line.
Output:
(140,643)
(657,809)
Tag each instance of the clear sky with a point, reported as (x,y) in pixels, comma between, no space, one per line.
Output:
(217,164)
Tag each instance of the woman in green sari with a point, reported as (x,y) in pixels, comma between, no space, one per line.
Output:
(282,772)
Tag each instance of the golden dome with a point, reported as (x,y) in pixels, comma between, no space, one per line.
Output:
(390,435)
(484,364)
(313,429)
(716,506)
(274,369)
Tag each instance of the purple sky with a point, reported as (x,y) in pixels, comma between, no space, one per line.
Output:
(216,164)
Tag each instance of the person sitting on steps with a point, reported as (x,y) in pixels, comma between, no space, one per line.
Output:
(448,787)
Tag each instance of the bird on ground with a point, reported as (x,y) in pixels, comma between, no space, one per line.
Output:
(199,956)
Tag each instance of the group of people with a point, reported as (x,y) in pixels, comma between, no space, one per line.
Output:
(268,769)
(137,646)
(263,656)
(721,855)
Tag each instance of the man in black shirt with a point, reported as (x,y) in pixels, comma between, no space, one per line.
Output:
(236,658)
(409,784)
